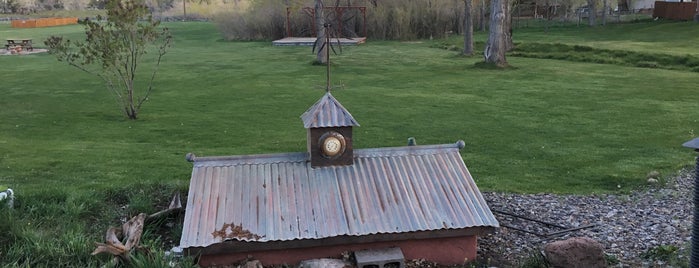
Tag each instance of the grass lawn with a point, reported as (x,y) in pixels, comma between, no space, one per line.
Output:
(543,126)
(676,38)
(546,126)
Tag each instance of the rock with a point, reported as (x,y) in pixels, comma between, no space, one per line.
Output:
(251,264)
(652,180)
(628,224)
(653,175)
(576,252)
(324,263)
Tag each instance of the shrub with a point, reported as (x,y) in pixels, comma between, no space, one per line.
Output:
(262,21)
(387,19)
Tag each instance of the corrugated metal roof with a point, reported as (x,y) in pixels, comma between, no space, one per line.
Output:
(327,112)
(279,197)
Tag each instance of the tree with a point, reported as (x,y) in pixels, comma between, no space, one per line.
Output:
(497,36)
(481,15)
(319,19)
(605,9)
(509,44)
(468,27)
(113,50)
(592,13)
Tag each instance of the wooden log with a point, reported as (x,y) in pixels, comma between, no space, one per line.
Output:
(133,234)
(120,241)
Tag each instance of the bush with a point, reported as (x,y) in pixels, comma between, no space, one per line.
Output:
(388,19)
(262,21)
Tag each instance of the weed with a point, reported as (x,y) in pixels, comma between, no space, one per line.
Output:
(662,252)
(53,228)
(535,260)
(611,259)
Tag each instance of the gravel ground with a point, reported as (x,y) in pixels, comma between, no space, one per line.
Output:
(627,225)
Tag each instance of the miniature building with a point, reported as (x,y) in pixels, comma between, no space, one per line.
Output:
(285,208)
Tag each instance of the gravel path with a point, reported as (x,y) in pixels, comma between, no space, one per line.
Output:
(627,225)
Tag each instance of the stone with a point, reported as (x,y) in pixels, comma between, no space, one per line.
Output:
(661,214)
(576,252)
(324,263)
(653,175)
(251,264)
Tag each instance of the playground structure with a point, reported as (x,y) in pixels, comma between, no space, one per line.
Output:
(43,22)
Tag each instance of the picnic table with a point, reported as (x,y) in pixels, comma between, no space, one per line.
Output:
(22,43)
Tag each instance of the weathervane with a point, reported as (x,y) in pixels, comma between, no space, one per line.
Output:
(326,26)
(327,57)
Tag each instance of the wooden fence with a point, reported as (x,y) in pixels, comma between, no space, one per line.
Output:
(45,22)
(675,10)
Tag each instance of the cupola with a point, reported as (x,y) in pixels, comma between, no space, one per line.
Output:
(329,133)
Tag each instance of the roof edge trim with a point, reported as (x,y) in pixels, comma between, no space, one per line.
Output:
(300,157)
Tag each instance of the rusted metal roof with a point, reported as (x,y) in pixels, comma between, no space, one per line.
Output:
(327,112)
(279,197)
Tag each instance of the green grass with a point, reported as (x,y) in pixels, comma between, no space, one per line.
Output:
(543,126)
(546,126)
(675,38)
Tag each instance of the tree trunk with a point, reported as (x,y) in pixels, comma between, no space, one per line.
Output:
(184,8)
(604,12)
(497,45)
(468,27)
(319,18)
(591,19)
(481,16)
(509,45)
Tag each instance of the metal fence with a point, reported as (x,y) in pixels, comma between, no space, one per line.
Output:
(580,18)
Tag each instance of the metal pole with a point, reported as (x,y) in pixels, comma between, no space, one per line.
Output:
(694,261)
(288,22)
(695,224)
(327,56)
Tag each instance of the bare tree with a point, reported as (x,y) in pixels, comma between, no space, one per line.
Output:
(114,49)
(468,27)
(319,19)
(481,15)
(605,8)
(509,45)
(592,13)
(497,38)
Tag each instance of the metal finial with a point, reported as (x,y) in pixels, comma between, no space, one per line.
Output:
(327,56)
(694,144)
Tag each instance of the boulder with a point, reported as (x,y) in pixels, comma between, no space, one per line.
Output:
(576,252)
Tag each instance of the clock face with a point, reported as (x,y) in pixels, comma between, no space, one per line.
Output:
(332,144)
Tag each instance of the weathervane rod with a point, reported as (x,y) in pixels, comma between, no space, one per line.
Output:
(327,57)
